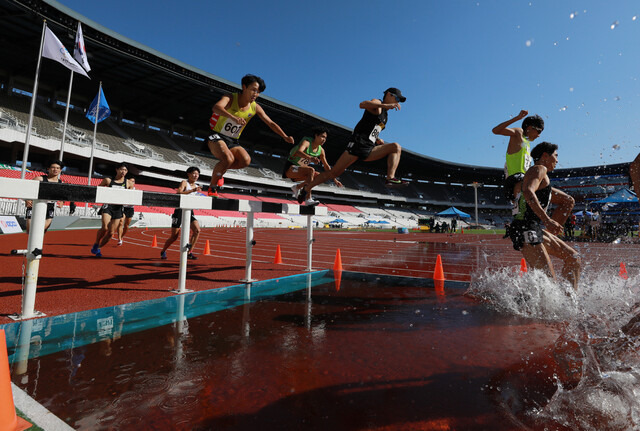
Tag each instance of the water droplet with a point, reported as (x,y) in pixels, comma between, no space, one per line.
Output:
(528,43)
(634,18)
(571,89)
(614,25)
(616,98)
(572,15)
(564,108)
(616,147)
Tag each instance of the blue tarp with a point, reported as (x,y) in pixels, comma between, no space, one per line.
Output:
(621,196)
(453,211)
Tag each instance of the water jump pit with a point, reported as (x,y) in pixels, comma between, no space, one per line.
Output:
(359,351)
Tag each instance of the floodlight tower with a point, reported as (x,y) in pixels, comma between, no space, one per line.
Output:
(475,186)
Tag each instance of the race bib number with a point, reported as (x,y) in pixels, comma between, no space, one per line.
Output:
(231,128)
(373,137)
(531,237)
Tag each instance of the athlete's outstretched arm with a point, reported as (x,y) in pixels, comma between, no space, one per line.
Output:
(273,125)
(503,128)
(375,106)
(327,167)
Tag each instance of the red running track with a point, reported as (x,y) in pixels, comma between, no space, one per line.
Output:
(71,279)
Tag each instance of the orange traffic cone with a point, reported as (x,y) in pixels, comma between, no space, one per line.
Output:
(146,228)
(154,243)
(337,264)
(523,266)
(438,274)
(207,249)
(623,271)
(8,418)
(278,258)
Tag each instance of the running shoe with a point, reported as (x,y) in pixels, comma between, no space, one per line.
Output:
(295,190)
(119,243)
(394,182)
(213,191)
(302,196)
(192,256)
(95,249)
(311,202)
(220,182)
(163,255)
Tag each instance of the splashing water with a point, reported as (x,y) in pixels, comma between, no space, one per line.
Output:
(595,360)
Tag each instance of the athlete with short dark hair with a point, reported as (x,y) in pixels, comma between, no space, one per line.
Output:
(308,151)
(111,214)
(518,157)
(526,230)
(230,116)
(54,169)
(365,143)
(186,187)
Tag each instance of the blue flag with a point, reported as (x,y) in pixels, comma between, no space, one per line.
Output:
(104,110)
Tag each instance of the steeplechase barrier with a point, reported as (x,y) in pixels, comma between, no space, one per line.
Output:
(41,193)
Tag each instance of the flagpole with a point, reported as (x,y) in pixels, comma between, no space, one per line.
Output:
(25,155)
(95,130)
(66,116)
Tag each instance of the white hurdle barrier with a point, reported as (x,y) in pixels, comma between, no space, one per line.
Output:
(41,192)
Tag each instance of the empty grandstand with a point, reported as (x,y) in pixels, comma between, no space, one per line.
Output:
(160,109)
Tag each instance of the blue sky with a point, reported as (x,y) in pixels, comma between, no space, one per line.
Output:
(464,66)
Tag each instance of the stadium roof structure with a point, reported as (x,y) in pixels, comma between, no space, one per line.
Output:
(148,87)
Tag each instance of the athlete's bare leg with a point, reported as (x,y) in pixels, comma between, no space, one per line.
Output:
(234,158)
(392,151)
(538,257)
(341,165)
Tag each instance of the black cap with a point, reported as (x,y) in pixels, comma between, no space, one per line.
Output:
(397,93)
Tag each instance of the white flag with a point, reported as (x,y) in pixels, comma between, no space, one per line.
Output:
(55,50)
(79,52)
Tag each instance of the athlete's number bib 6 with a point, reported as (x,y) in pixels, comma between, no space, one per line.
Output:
(231,128)
(373,137)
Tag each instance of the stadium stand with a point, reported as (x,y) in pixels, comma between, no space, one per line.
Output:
(162,139)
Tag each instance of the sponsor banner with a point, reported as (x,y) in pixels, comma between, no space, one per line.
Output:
(9,224)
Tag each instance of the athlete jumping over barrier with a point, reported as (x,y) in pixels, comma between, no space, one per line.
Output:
(518,150)
(365,143)
(526,232)
(308,151)
(230,116)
